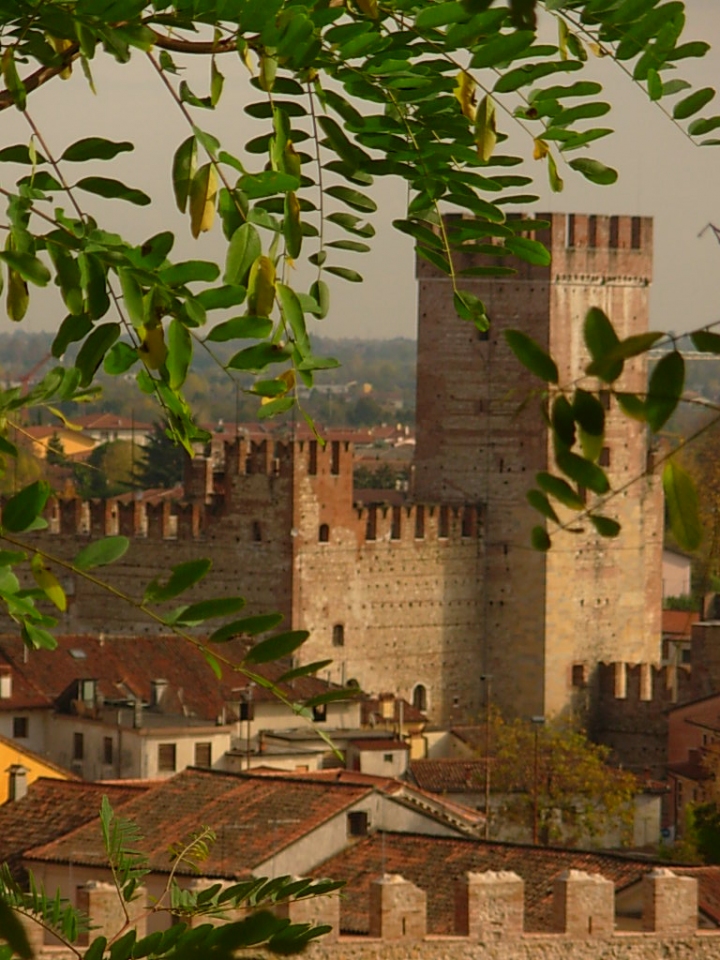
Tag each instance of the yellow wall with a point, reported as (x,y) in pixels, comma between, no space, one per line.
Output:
(11,753)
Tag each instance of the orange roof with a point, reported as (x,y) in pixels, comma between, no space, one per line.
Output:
(678,623)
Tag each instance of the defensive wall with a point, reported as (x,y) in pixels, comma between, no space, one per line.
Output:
(489,920)
(481,437)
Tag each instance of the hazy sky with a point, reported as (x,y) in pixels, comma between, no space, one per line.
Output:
(661,175)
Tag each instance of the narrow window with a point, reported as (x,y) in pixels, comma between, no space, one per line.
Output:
(444,523)
(256,531)
(371,528)
(395,525)
(312,465)
(614,232)
(166,757)
(420,697)
(338,635)
(468,522)
(247,711)
(107,751)
(319,712)
(592,231)
(604,459)
(636,233)
(570,242)
(78,746)
(483,335)
(324,533)
(604,398)
(335,457)
(419,523)
(20,728)
(578,675)
(203,755)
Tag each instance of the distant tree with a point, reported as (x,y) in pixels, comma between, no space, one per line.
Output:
(553,768)
(55,452)
(107,472)
(162,461)
(382,477)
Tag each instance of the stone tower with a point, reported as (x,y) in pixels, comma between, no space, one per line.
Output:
(546,620)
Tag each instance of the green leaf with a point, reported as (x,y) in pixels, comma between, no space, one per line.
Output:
(665,389)
(95,148)
(561,490)
(563,420)
(99,553)
(682,506)
(345,273)
(132,297)
(267,184)
(258,357)
(220,298)
(589,413)
(27,266)
(13,932)
(582,471)
(532,356)
(207,610)
(502,48)
(119,358)
(292,225)
(530,250)
(113,190)
(241,328)
(179,354)
(243,250)
(183,576)
(353,198)
(632,406)
(486,128)
(20,153)
(248,626)
(281,645)
(307,671)
(540,502)
(705,341)
(20,512)
(601,339)
(594,171)
(690,105)
(540,539)
(183,171)
(605,526)
(321,294)
(93,350)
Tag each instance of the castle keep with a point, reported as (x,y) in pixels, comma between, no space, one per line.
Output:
(425,598)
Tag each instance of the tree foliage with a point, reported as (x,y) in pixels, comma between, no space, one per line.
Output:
(578,795)
(161,461)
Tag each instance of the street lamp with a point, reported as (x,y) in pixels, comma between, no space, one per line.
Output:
(537,722)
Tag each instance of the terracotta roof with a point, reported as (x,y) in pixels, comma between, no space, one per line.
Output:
(372,712)
(678,623)
(110,421)
(253,818)
(124,668)
(454,776)
(433,863)
(52,808)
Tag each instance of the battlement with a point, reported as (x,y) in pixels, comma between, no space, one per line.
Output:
(420,521)
(585,249)
(659,686)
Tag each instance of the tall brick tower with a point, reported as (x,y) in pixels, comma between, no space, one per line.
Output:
(546,619)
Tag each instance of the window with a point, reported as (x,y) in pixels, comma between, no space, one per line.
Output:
(203,754)
(635,233)
(468,522)
(387,757)
(324,533)
(371,528)
(604,459)
(312,465)
(357,823)
(604,398)
(578,675)
(256,531)
(420,697)
(570,241)
(78,746)
(338,636)
(107,751)
(319,712)
(20,728)
(247,711)
(335,457)
(592,231)
(166,757)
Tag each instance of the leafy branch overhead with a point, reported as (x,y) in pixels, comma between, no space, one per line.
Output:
(339,95)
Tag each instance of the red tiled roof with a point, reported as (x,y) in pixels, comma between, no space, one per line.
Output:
(52,808)
(434,863)
(454,776)
(125,666)
(678,623)
(253,817)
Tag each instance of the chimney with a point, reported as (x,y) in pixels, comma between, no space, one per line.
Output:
(18,785)
(137,714)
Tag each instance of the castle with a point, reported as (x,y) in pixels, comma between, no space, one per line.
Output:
(431,597)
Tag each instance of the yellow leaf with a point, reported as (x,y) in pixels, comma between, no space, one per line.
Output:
(465,94)
(596,50)
(61,45)
(48,583)
(203,193)
(541,149)
(288,377)
(563,38)
(556,181)
(152,350)
(485,129)
(268,69)
(369,8)
(261,287)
